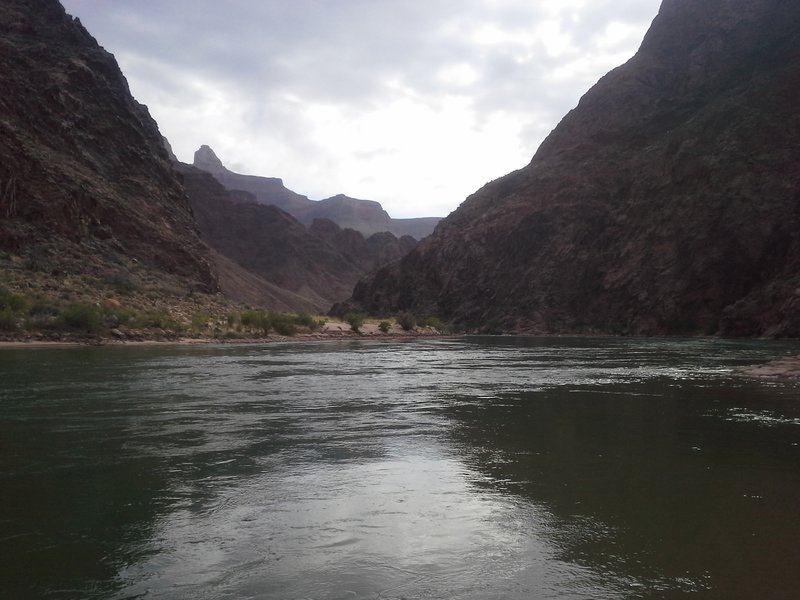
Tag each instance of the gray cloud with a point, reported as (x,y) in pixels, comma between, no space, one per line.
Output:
(255,68)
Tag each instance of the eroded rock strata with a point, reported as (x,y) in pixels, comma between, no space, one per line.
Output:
(667,201)
(86,185)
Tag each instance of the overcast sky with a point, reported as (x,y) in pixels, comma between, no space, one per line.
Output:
(414,103)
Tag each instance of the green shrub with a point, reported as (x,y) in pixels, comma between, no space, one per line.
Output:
(8,320)
(254,319)
(13,302)
(384,326)
(114,317)
(283,324)
(120,282)
(355,320)
(43,309)
(406,320)
(82,317)
(232,319)
(304,320)
(200,321)
(431,322)
(157,320)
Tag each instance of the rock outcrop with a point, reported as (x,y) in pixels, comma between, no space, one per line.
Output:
(366,216)
(666,202)
(86,185)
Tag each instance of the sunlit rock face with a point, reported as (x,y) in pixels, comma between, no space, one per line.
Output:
(667,201)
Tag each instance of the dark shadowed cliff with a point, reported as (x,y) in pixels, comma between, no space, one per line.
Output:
(86,186)
(264,256)
(668,201)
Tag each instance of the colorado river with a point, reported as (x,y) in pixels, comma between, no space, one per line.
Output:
(477,468)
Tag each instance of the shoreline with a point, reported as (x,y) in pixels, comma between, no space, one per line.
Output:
(332,335)
(781,368)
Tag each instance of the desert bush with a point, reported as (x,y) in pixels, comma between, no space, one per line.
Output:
(42,308)
(384,326)
(8,320)
(355,320)
(254,319)
(434,322)
(157,320)
(116,316)
(283,324)
(304,320)
(200,321)
(406,320)
(120,282)
(12,302)
(81,317)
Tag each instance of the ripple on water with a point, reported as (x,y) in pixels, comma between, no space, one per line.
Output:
(493,468)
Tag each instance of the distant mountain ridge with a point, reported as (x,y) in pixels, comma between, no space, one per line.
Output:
(667,202)
(265,257)
(366,216)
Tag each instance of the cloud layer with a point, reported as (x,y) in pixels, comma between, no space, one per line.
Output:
(415,104)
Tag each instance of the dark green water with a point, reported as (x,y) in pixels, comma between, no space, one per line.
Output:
(484,468)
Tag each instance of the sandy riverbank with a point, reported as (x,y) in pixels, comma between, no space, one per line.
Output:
(331,331)
(783,368)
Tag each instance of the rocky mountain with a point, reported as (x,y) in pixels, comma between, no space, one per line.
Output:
(666,202)
(366,216)
(370,253)
(264,256)
(86,186)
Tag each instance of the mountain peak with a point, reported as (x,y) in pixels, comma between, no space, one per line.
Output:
(206,159)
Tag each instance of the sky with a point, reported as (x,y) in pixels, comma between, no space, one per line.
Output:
(413,103)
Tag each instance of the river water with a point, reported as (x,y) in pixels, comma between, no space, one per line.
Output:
(476,468)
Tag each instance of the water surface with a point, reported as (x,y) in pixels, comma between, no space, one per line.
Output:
(470,468)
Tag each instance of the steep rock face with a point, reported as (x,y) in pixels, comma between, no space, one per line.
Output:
(366,216)
(295,268)
(85,182)
(370,253)
(668,201)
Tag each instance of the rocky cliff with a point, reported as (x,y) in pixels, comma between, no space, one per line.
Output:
(369,253)
(264,256)
(667,201)
(86,186)
(366,216)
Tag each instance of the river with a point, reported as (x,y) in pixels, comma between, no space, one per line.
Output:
(474,468)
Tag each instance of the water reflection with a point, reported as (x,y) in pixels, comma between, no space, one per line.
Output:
(649,481)
(483,468)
